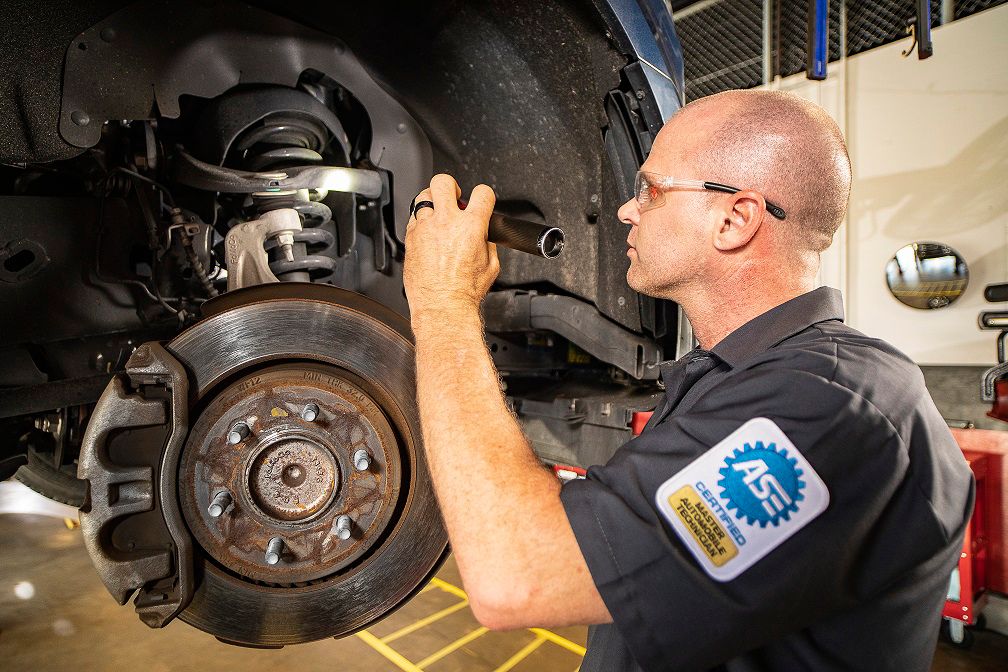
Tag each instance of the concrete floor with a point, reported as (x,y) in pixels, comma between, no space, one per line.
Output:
(56,615)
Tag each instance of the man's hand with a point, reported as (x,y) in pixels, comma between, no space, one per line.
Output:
(449,264)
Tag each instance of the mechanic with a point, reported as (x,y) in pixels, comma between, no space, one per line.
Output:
(795,502)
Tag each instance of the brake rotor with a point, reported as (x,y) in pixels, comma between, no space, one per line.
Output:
(302,479)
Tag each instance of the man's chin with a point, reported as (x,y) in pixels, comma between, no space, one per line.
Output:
(649,289)
(634,282)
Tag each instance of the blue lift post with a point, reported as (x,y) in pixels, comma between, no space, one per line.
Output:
(817,47)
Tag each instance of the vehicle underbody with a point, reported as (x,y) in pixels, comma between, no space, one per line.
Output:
(202,216)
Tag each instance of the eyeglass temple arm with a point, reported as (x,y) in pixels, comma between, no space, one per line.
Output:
(774,210)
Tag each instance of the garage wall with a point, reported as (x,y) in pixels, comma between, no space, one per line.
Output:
(929,146)
(956,393)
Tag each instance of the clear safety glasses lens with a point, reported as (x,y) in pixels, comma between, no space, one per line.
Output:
(648,191)
(650,188)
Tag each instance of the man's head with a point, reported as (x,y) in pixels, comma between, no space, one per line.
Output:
(773,146)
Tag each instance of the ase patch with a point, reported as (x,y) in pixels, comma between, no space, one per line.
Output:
(742,498)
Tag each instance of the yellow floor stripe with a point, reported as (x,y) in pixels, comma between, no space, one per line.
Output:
(390,654)
(547,634)
(560,641)
(457,644)
(449,588)
(423,622)
(521,655)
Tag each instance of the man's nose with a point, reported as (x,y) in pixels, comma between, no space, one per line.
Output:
(628,213)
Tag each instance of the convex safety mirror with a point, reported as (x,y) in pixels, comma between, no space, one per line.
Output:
(927,275)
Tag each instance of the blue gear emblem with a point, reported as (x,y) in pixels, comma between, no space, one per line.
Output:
(761,483)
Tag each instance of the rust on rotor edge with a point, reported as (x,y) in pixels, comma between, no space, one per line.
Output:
(291,478)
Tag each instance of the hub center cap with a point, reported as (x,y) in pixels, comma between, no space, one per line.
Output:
(293,478)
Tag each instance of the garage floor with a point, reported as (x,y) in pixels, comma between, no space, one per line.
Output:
(56,615)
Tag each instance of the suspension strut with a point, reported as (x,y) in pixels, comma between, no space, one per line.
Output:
(285,139)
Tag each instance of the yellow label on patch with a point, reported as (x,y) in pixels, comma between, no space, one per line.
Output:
(278,413)
(703,525)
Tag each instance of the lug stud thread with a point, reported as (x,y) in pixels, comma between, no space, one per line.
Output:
(362,460)
(343,527)
(239,432)
(310,413)
(221,501)
(274,550)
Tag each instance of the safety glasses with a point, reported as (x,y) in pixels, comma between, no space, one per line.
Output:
(650,188)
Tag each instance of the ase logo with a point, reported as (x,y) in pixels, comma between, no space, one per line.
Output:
(761,483)
(763,478)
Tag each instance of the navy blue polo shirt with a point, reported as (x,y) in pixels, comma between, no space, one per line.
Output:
(859,586)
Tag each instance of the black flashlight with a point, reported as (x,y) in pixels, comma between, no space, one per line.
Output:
(523,235)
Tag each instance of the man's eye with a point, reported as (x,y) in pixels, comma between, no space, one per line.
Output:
(652,192)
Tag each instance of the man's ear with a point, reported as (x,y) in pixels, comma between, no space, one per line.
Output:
(742,218)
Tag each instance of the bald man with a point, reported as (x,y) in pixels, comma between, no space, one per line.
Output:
(795,502)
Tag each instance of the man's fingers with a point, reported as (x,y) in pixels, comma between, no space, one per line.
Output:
(445,192)
(481,202)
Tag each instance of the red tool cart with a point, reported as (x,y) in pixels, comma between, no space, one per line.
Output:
(993,501)
(967,588)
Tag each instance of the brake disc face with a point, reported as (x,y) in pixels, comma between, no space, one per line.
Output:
(318,469)
(301,478)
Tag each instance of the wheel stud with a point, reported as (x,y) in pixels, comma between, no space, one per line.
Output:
(310,413)
(220,503)
(274,550)
(239,432)
(362,460)
(343,525)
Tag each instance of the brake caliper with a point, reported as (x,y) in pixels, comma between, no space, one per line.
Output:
(131,522)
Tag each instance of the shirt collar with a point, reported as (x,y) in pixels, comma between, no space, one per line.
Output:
(778,324)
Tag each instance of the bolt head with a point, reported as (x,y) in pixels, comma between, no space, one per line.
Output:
(80,118)
(272,558)
(310,413)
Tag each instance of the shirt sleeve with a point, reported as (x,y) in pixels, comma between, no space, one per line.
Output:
(671,613)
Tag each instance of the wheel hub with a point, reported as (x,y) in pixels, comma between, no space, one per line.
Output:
(290,478)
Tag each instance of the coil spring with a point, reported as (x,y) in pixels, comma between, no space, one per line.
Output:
(287,139)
